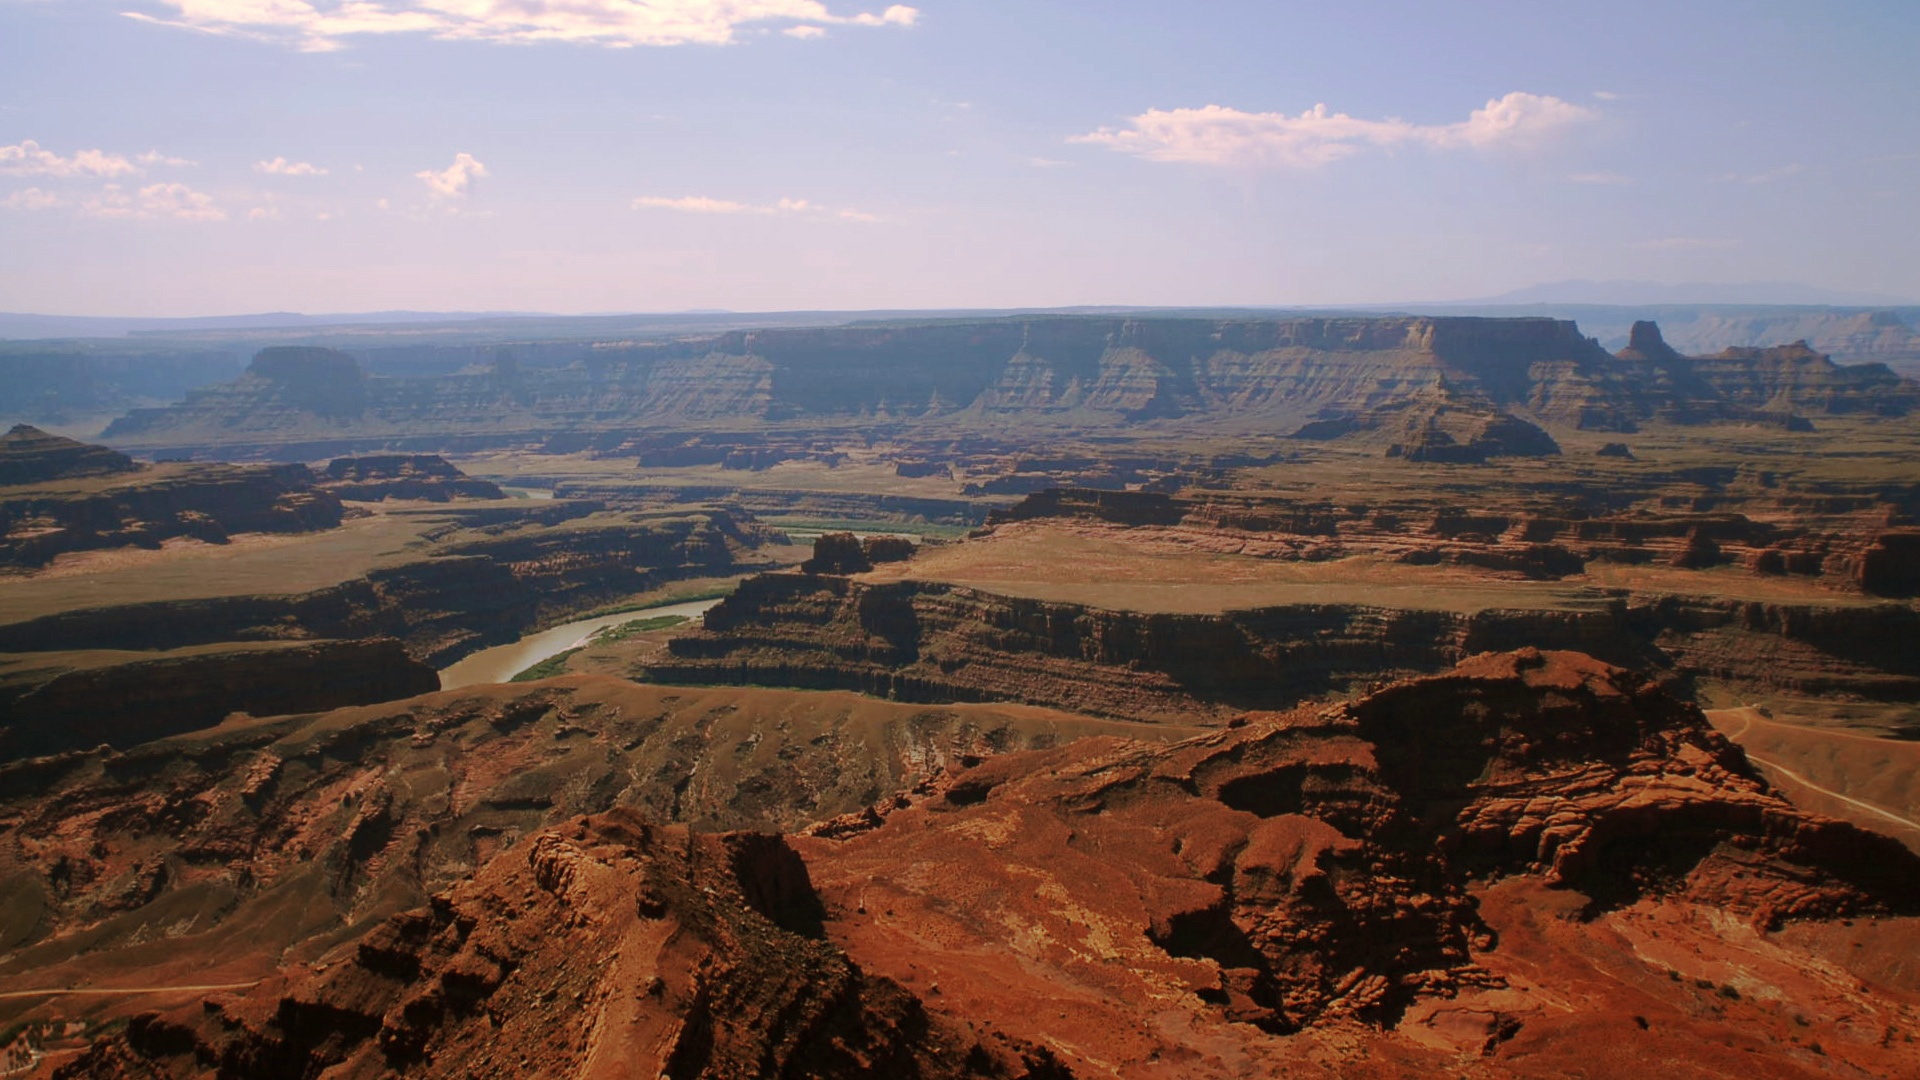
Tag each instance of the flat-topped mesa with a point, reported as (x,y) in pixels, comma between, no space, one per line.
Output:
(31,456)
(1086,373)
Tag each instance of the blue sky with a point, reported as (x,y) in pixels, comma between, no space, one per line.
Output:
(180,157)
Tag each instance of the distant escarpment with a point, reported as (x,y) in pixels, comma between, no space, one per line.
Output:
(55,702)
(404,476)
(464,597)
(1841,540)
(1083,373)
(96,503)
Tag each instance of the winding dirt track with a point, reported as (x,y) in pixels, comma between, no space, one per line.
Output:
(1747,719)
(123,991)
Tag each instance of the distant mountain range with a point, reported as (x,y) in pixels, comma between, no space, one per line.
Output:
(1656,293)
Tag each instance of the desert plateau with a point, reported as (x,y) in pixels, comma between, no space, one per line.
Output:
(811,540)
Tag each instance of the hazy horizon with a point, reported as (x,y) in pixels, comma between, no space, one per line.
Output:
(176,158)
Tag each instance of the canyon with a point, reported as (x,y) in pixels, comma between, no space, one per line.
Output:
(1086,695)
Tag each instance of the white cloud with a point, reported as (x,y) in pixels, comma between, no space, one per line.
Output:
(1217,135)
(280,166)
(178,201)
(691,204)
(27,158)
(33,199)
(452,182)
(805,31)
(322,25)
(1606,95)
(175,202)
(702,204)
(155,157)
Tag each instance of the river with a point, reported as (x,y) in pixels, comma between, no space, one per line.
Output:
(503,662)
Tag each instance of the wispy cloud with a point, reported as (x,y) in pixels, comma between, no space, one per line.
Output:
(280,166)
(453,181)
(1606,95)
(173,202)
(28,158)
(155,157)
(1602,178)
(702,204)
(322,25)
(33,199)
(1217,135)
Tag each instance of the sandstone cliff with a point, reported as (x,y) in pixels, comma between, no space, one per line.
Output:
(1058,372)
(144,508)
(936,642)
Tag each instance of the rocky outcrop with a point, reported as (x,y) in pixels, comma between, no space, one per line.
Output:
(404,476)
(209,503)
(1780,384)
(55,702)
(31,456)
(1307,871)
(609,944)
(1891,567)
(359,814)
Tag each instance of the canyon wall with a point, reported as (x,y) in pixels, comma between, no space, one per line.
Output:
(466,597)
(935,642)
(1063,371)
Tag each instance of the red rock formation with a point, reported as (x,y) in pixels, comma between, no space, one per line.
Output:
(1138,907)
(606,948)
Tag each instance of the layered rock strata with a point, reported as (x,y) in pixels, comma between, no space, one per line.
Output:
(464,597)
(147,507)
(1057,372)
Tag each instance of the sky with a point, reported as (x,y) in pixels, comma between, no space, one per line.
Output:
(201,157)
